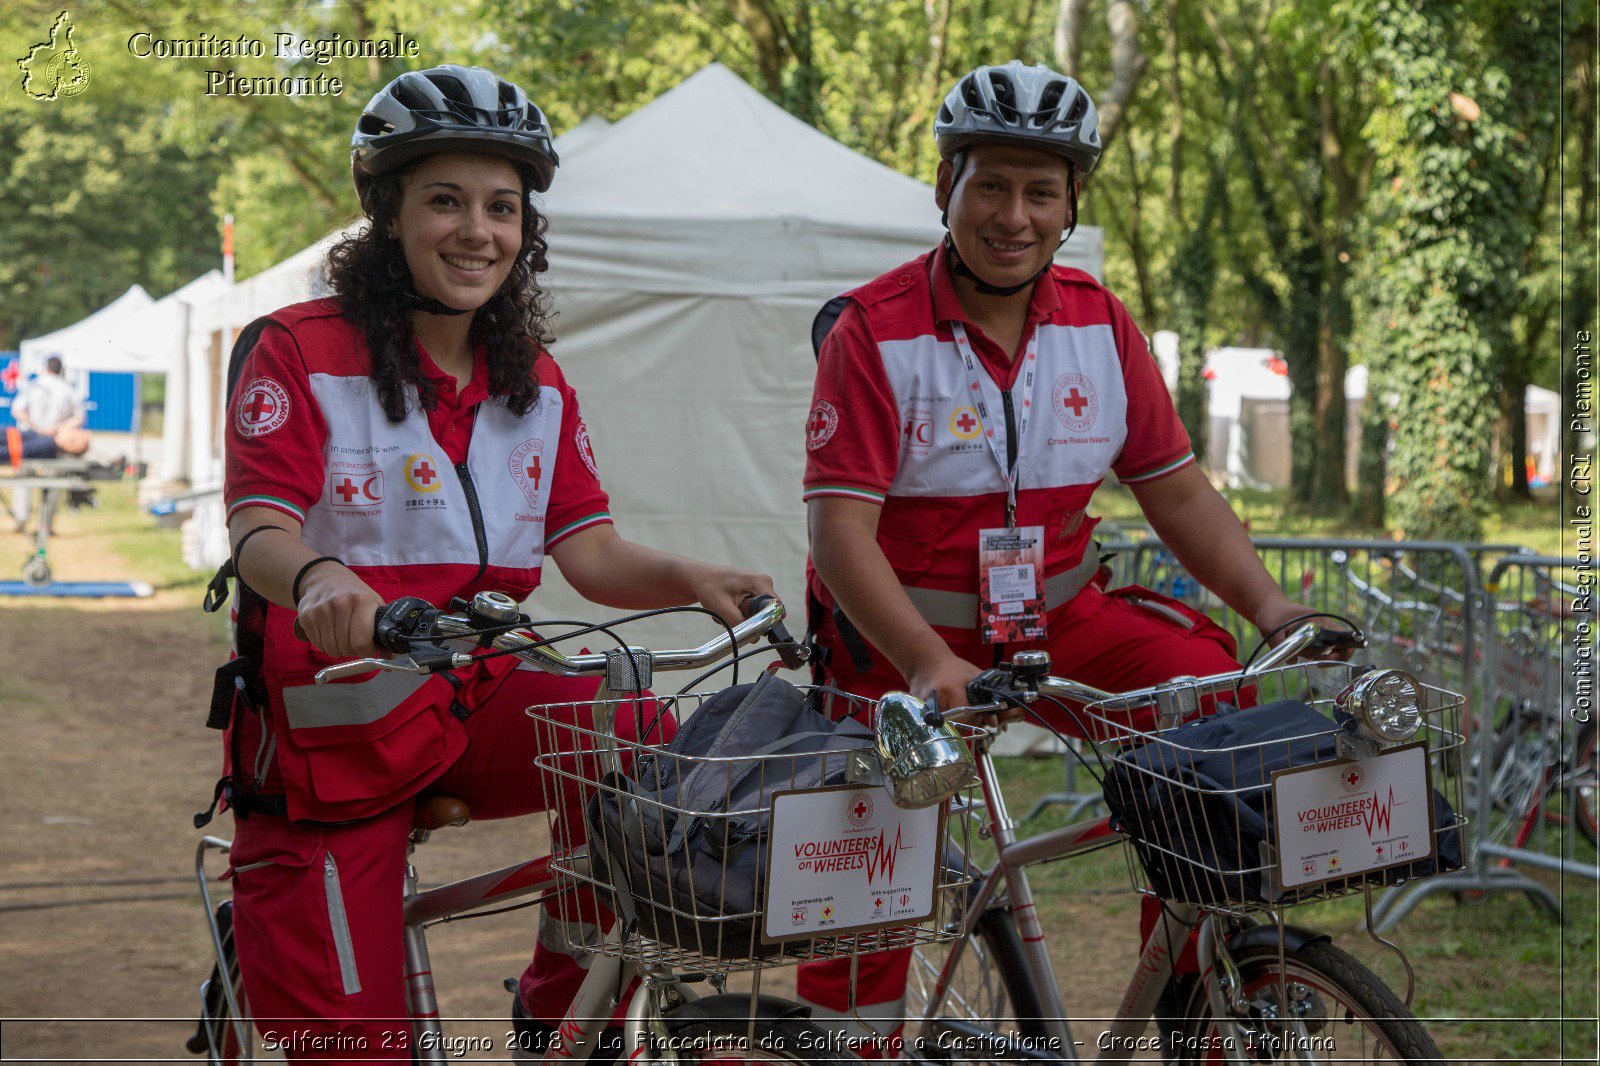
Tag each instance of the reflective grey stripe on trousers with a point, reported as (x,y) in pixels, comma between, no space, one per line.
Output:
(959,610)
(357,703)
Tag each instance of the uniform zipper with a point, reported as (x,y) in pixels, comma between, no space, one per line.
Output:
(478,532)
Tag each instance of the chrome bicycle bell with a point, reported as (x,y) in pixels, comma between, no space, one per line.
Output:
(923,756)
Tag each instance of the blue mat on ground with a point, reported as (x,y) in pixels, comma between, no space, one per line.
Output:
(77,589)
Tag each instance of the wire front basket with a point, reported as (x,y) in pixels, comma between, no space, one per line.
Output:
(688,879)
(1196,801)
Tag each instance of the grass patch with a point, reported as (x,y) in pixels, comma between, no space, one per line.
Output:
(154,552)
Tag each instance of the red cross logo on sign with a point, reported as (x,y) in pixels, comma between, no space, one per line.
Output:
(1352,778)
(859,809)
(11,376)
(263,407)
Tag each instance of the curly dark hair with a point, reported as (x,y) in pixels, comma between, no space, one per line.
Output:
(367,273)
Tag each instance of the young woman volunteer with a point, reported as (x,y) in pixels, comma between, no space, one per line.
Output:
(409,435)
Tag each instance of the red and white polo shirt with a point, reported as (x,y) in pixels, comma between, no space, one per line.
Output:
(895,418)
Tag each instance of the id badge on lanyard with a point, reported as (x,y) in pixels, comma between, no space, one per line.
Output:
(1011,603)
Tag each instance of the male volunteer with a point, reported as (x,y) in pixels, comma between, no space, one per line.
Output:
(967,405)
(47,404)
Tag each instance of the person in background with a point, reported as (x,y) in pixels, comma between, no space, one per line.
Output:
(47,404)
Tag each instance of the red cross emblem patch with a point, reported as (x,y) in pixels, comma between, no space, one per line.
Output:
(360,490)
(422,473)
(527,469)
(11,376)
(1075,402)
(821,425)
(263,407)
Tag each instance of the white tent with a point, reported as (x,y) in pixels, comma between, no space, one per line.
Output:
(691,245)
(98,342)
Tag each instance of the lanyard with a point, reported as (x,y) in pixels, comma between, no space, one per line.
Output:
(979,382)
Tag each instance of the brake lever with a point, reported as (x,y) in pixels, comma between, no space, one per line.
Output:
(418,663)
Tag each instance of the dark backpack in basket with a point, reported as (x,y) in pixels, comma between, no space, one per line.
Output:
(683,837)
(1198,807)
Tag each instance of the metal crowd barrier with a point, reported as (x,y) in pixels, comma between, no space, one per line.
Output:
(1536,804)
(1426,608)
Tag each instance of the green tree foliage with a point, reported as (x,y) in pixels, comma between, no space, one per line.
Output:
(1447,231)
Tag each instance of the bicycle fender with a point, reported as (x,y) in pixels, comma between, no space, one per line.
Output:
(737,1005)
(1258,936)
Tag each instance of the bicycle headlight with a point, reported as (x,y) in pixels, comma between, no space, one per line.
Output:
(1386,705)
(923,756)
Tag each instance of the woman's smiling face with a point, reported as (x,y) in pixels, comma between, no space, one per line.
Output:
(460,226)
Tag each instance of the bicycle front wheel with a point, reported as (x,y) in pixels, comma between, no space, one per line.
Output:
(1345,1014)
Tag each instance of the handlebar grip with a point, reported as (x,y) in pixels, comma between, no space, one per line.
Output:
(1337,638)
(792,653)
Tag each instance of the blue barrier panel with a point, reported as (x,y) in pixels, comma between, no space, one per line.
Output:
(111,401)
(10,379)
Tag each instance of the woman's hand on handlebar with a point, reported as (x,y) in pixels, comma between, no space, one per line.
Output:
(725,589)
(336,614)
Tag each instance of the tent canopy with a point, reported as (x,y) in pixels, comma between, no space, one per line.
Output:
(97,342)
(712,189)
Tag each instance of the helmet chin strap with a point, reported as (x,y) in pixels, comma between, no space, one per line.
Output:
(429,306)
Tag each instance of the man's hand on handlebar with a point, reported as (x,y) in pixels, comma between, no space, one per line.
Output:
(946,679)
(726,589)
(1328,646)
(336,613)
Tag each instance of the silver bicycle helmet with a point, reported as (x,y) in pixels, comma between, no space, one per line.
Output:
(1032,107)
(451,109)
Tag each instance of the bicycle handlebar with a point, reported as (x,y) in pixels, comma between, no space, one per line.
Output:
(1299,640)
(766,617)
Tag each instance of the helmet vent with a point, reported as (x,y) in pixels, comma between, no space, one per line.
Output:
(944,113)
(1079,105)
(410,97)
(1049,100)
(373,126)
(1005,96)
(970,94)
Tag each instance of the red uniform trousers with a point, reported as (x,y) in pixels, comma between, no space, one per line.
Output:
(1114,641)
(317,911)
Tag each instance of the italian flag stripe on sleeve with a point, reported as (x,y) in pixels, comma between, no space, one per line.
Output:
(275,502)
(851,491)
(1161,471)
(596,519)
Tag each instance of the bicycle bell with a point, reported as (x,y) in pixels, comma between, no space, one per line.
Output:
(923,756)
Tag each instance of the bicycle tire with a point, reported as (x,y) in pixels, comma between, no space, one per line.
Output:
(1329,973)
(1585,770)
(711,1041)
(990,986)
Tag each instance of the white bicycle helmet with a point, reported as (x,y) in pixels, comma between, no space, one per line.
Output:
(1032,107)
(451,109)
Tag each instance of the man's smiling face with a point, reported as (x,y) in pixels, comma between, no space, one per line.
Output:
(1008,212)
